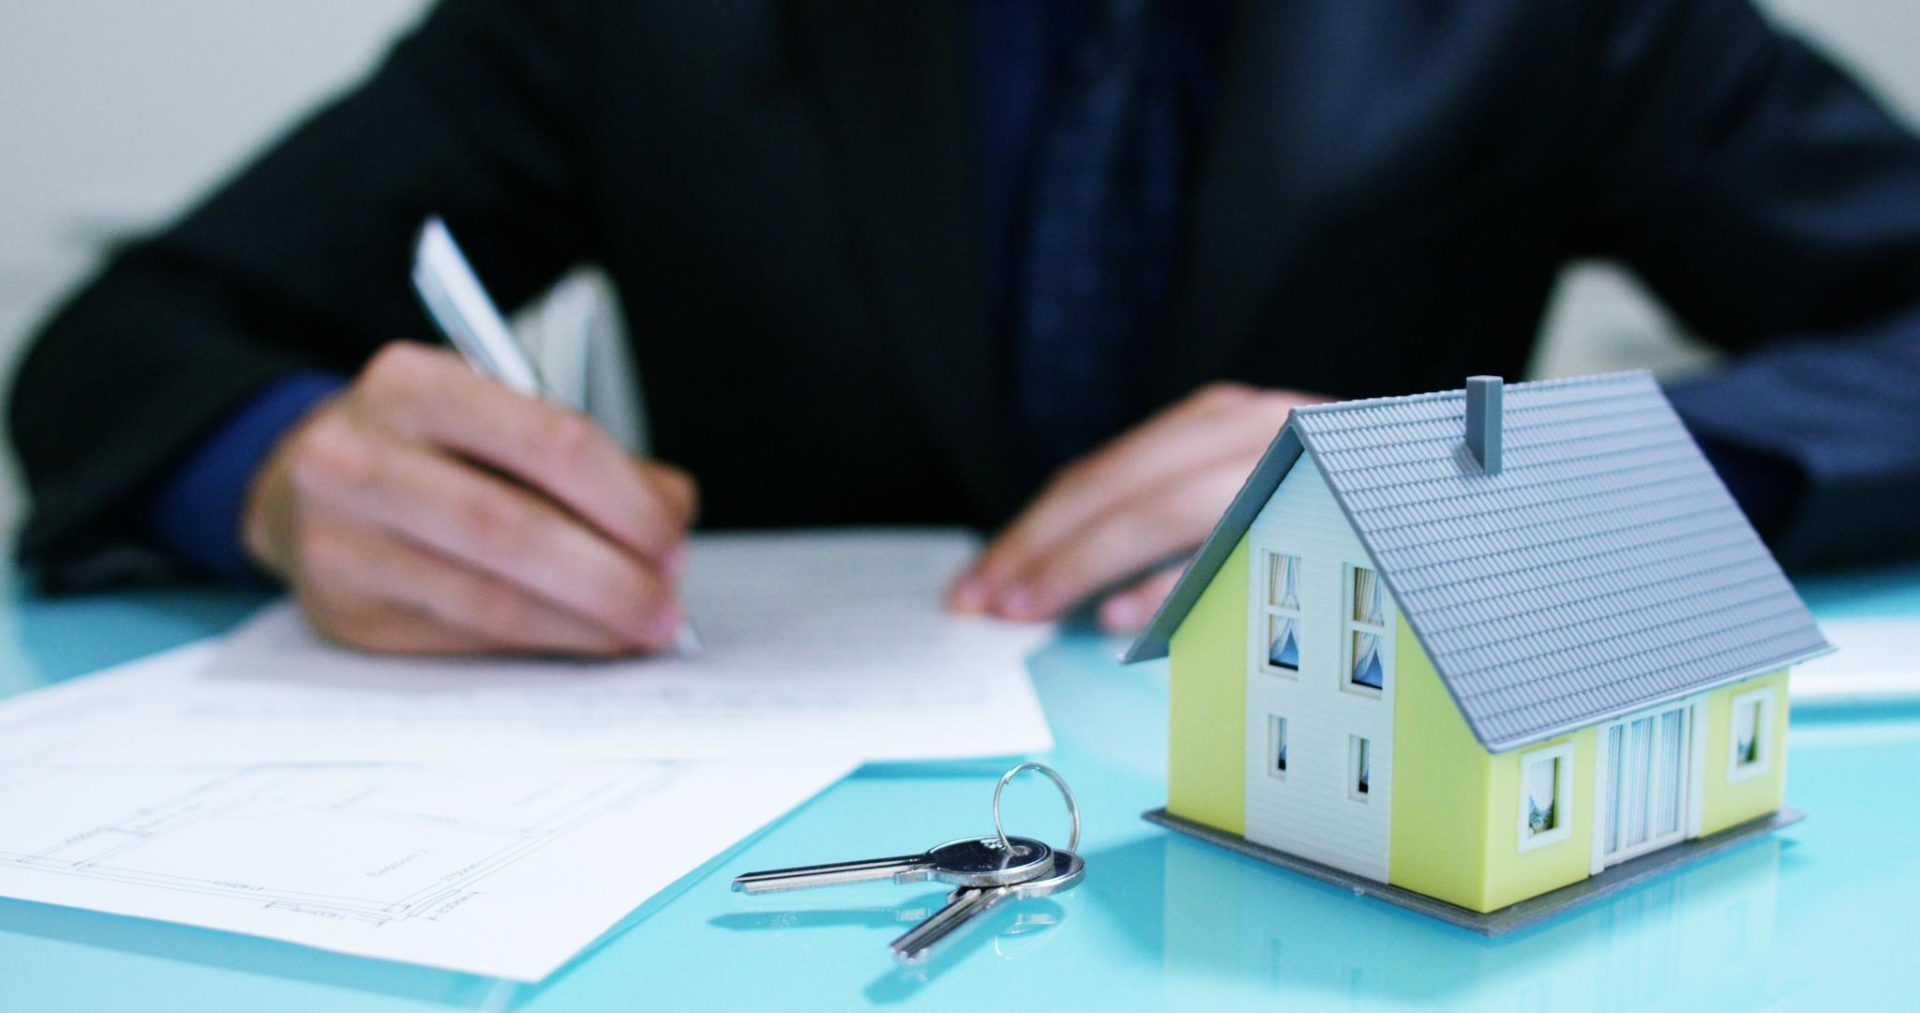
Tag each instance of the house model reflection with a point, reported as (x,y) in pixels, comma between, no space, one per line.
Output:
(1485,652)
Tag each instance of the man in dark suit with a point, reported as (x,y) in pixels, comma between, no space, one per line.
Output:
(902,262)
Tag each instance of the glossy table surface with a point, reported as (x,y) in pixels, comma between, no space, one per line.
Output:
(1825,915)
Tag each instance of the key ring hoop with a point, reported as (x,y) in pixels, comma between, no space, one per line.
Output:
(1073,805)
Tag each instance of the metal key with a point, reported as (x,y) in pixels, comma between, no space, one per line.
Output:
(972,862)
(967,905)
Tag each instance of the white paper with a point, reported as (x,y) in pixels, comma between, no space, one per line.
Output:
(499,870)
(1875,661)
(817,646)
(61,723)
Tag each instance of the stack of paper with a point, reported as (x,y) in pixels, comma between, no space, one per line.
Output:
(496,816)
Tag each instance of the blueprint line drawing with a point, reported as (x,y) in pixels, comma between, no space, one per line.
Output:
(497,815)
(432,853)
(504,870)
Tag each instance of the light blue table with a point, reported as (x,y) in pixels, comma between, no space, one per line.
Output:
(1823,916)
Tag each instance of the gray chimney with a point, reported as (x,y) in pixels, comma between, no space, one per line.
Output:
(1483,421)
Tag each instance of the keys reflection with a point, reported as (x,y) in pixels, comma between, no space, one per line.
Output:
(910,913)
(1027,917)
(1014,932)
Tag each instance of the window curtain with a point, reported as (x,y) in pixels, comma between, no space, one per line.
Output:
(1543,779)
(1366,661)
(1283,582)
(1283,643)
(1283,593)
(1366,646)
(1747,732)
(1366,598)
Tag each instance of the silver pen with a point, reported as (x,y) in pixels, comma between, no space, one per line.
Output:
(461,306)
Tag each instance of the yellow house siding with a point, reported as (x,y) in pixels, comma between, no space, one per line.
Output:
(1206,769)
(1724,804)
(1441,787)
(1513,875)
(1456,807)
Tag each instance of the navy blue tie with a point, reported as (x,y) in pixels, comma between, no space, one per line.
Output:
(1098,253)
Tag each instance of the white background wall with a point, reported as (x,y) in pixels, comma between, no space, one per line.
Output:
(113,113)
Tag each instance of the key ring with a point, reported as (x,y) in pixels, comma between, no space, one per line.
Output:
(1073,806)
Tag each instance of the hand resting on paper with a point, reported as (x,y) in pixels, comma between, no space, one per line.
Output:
(1149,495)
(429,510)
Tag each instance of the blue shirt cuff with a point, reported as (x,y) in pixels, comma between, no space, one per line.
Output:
(194,514)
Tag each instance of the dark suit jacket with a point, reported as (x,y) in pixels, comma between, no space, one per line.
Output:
(784,193)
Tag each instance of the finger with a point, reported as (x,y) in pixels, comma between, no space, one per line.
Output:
(491,525)
(563,453)
(1223,423)
(1220,421)
(1132,535)
(673,485)
(372,565)
(680,492)
(386,628)
(1128,610)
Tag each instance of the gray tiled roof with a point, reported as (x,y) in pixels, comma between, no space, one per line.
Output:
(1604,569)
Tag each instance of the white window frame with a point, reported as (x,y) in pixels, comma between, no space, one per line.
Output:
(1562,796)
(1354,743)
(1276,735)
(1762,699)
(1350,626)
(1269,612)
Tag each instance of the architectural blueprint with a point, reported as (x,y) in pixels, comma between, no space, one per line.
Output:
(496,870)
(495,816)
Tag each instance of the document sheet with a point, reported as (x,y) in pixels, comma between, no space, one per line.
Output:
(1876,660)
(817,645)
(499,870)
(496,816)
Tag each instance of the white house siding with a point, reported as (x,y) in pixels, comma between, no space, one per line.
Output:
(1310,812)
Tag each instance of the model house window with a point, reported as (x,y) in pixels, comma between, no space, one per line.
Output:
(1751,740)
(1546,789)
(1282,606)
(1359,768)
(1366,630)
(1276,746)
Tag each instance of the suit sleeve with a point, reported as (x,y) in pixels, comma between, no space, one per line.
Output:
(1775,207)
(300,263)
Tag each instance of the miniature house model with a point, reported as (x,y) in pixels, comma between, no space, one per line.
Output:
(1480,646)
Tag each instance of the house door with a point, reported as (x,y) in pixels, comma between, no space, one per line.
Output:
(1644,783)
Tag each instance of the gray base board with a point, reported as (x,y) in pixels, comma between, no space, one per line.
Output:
(1515,916)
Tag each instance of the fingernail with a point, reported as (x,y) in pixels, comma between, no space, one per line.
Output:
(664,626)
(1017,604)
(675,565)
(970,595)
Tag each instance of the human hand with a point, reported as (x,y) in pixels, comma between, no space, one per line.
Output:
(1147,496)
(428,510)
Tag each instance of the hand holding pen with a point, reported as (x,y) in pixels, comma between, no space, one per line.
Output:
(427,509)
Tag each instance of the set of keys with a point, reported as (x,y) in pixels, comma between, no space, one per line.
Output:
(984,871)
